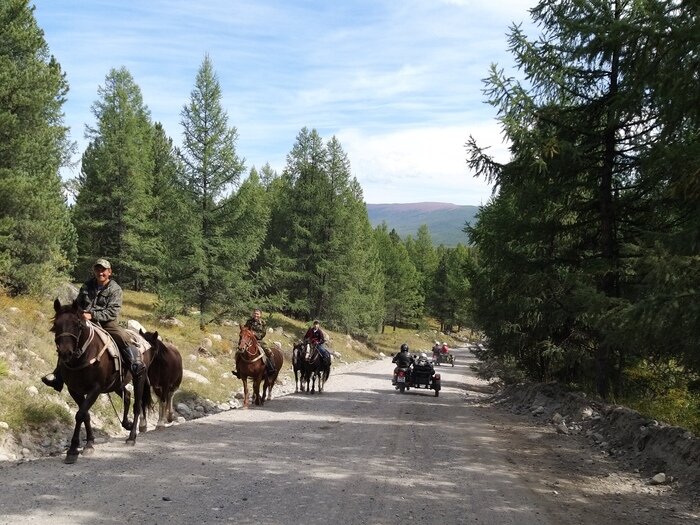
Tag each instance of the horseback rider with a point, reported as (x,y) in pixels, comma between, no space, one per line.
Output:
(100,299)
(257,326)
(403,359)
(317,337)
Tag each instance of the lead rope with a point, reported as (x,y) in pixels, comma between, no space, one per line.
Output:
(115,408)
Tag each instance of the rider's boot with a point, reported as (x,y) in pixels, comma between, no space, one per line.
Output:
(54,380)
(132,359)
(137,365)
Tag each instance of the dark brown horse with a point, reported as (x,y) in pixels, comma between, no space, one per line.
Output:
(313,368)
(249,363)
(278,360)
(90,369)
(164,375)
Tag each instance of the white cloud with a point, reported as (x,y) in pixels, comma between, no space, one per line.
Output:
(425,164)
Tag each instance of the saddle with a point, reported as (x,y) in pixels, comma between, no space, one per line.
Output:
(108,345)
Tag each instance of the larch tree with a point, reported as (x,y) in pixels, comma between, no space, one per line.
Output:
(212,170)
(115,185)
(585,124)
(37,239)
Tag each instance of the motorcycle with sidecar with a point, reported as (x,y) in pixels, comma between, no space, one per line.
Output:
(420,375)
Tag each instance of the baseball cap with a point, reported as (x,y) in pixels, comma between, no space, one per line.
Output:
(102,262)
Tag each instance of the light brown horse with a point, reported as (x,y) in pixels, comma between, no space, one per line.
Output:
(249,363)
(88,370)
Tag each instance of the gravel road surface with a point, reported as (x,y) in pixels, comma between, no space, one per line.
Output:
(359,453)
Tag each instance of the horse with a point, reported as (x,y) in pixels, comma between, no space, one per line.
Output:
(298,365)
(249,363)
(314,368)
(164,375)
(89,369)
(278,360)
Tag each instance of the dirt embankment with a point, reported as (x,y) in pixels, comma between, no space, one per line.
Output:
(665,454)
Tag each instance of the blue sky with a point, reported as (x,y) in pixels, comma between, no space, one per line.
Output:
(398,82)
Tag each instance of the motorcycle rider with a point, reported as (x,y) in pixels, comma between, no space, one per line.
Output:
(436,351)
(403,359)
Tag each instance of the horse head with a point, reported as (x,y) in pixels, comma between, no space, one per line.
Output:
(68,325)
(152,338)
(248,342)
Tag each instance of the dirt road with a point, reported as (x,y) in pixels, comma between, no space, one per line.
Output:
(360,453)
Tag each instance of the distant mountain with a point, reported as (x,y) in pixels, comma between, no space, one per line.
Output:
(445,221)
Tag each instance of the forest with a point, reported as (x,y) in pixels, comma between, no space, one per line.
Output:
(583,268)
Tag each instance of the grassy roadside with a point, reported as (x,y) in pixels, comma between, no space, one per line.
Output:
(27,352)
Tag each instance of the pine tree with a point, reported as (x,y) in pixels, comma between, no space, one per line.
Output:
(212,171)
(37,240)
(402,287)
(114,202)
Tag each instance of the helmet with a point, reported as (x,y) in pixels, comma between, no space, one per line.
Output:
(422,354)
(404,347)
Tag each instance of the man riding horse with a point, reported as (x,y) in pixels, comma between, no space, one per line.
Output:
(257,326)
(100,299)
(317,337)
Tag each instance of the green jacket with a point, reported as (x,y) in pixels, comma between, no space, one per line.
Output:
(258,327)
(103,304)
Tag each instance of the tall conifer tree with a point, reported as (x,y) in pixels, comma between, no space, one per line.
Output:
(212,172)
(116,183)
(37,240)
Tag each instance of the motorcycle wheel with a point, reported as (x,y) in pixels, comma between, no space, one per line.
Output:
(437,393)
(402,388)
(453,363)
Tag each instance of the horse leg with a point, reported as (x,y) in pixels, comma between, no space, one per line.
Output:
(162,407)
(126,397)
(169,405)
(84,403)
(139,384)
(265,388)
(245,391)
(256,391)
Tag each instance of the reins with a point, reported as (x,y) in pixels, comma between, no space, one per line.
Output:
(83,348)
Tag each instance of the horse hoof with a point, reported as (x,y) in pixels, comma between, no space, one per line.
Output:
(71,458)
(88,450)
(131,442)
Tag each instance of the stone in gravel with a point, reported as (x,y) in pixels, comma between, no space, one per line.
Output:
(659,479)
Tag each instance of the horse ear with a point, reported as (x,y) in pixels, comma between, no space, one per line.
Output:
(57,305)
(155,335)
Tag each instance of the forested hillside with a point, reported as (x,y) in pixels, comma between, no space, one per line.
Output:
(446,222)
(583,268)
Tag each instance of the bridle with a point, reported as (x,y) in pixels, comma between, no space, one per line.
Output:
(78,349)
(245,350)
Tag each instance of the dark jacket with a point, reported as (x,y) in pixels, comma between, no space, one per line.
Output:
(257,326)
(104,304)
(403,359)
